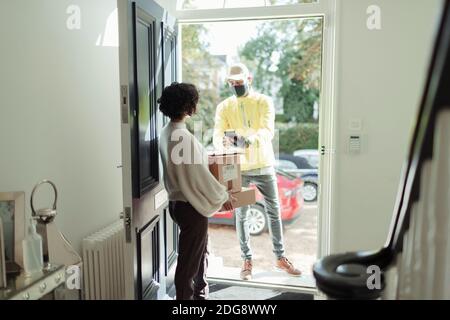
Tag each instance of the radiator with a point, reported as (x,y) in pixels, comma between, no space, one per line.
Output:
(103,264)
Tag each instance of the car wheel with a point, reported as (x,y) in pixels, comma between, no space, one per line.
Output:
(310,192)
(257,221)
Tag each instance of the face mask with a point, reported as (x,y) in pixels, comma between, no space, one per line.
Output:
(240,91)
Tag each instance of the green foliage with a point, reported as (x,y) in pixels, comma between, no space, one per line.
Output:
(288,53)
(198,66)
(301,136)
(299,102)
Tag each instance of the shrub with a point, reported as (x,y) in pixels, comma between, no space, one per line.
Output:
(300,136)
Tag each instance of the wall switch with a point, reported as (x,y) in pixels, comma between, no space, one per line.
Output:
(355,125)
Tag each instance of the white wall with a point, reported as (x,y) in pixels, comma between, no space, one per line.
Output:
(169,5)
(59,109)
(380,81)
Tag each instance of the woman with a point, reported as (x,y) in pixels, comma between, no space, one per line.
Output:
(194,193)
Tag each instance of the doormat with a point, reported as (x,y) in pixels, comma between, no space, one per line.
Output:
(226,292)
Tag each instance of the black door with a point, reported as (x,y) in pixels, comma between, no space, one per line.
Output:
(151,245)
(169,61)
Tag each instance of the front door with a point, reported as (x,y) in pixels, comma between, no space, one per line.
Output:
(147,53)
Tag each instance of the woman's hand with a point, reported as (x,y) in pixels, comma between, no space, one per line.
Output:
(229,204)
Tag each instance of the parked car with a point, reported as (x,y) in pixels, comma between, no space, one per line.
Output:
(300,163)
(311,155)
(310,188)
(301,168)
(291,203)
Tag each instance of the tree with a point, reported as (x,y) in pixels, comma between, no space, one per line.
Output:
(286,60)
(299,102)
(197,68)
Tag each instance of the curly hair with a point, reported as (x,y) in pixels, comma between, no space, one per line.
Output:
(178,100)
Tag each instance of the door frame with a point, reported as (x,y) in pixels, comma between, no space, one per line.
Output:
(328,10)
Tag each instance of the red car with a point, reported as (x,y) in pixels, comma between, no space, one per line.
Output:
(291,202)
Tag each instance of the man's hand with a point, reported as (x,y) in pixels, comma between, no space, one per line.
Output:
(228,142)
(237,141)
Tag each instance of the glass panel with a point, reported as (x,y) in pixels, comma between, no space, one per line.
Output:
(143,37)
(243,4)
(202,4)
(286,2)
(217,4)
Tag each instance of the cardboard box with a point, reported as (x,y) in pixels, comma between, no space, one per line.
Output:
(244,198)
(227,170)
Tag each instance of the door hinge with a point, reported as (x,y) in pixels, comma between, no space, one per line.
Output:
(124,104)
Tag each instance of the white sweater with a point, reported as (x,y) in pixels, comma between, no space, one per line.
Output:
(186,174)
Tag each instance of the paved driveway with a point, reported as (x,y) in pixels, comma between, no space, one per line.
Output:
(300,243)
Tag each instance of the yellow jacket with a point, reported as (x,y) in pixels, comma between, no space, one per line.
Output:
(252,117)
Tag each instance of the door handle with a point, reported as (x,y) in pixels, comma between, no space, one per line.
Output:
(126,217)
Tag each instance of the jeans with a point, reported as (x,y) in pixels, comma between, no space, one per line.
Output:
(267,185)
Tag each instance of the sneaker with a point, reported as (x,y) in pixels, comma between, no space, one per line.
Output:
(287,266)
(246,272)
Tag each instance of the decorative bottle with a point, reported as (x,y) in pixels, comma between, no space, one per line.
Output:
(33,258)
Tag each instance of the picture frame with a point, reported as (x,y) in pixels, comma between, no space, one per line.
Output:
(12,214)
(3,282)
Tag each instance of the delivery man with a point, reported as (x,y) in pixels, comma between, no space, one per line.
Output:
(247,119)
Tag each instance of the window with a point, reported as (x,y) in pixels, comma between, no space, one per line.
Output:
(220,4)
(144,124)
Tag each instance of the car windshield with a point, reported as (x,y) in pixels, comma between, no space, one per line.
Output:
(314,161)
(284,164)
(312,156)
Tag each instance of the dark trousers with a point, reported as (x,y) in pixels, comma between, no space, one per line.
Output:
(190,274)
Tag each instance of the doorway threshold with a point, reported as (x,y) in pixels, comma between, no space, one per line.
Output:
(263,279)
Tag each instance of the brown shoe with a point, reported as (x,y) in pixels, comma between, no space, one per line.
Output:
(285,265)
(246,272)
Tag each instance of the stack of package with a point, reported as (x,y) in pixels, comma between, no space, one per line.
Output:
(227,170)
